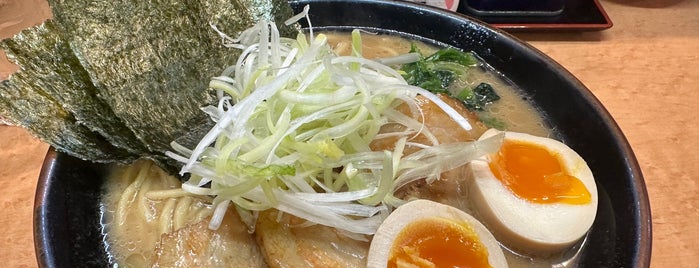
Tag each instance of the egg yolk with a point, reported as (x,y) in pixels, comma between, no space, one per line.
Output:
(533,173)
(437,242)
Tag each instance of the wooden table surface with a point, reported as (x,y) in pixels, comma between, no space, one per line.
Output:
(645,70)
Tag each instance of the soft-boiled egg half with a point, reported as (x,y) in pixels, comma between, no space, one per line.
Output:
(535,194)
(424,233)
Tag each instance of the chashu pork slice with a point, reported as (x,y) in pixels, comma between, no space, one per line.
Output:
(198,246)
(287,241)
(450,188)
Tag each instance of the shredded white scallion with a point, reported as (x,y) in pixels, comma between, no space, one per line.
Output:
(293,127)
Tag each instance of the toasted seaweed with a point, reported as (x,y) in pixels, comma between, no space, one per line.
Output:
(125,77)
(272,10)
(60,75)
(230,17)
(150,62)
(32,109)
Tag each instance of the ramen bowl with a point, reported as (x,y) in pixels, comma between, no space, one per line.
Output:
(67,208)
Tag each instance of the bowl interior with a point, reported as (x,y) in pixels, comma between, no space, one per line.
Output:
(67,200)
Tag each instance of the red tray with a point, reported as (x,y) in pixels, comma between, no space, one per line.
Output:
(577,15)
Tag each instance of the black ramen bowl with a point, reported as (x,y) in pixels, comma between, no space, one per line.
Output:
(67,216)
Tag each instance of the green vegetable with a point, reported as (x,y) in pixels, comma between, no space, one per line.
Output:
(493,122)
(452,55)
(438,72)
(479,97)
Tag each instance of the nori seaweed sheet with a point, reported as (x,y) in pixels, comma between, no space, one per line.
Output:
(32,109)
(64,79)
(227,16)
(141,66)
(273,10)
(146,60)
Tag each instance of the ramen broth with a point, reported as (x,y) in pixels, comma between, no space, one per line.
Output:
(513,110)
(130,237)
(134,218)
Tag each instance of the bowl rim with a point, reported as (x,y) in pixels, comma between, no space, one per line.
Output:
(42,241)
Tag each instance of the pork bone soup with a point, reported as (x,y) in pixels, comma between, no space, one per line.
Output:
(149,220)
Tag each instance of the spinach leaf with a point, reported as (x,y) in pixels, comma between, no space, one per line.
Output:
(437,72)
(493,122)
(452,55)
(479,97)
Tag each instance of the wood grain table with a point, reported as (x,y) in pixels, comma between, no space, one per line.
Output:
(645,70)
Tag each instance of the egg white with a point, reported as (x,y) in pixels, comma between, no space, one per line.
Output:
(528,227)
(381,244)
